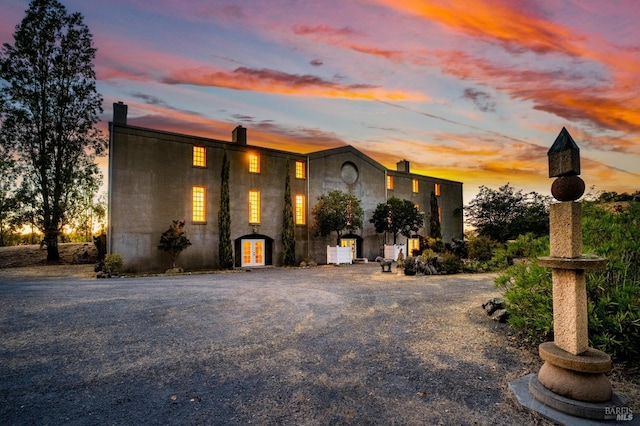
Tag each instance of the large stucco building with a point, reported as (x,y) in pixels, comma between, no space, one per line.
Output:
(156,177)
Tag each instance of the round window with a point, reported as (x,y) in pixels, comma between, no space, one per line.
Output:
(349,173)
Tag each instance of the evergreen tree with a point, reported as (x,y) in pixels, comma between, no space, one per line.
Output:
(435,230)
(49,110)
(225,251)
(288,227)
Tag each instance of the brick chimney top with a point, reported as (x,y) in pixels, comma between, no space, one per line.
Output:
(402,166)
(239,135)
(119,113)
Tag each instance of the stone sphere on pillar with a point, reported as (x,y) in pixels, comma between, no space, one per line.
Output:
(567,188)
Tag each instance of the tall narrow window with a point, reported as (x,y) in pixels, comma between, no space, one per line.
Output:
(254,163)
(415,185)
(300,210)
(389,182)
(301,170)
(440,214)
(254,207)
(199,156)
(198,203)
(437,189)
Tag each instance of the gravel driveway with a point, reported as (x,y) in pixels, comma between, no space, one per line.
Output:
(327,345)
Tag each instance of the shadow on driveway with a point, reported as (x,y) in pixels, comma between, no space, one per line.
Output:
(328,345)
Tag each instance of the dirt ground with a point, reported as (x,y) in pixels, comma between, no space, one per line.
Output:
(326,345)
(34,255)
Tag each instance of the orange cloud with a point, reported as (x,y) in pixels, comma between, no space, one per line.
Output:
(505,22)
(272,81)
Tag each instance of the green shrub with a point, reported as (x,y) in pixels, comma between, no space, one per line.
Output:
(113,263)
(613,293)
(481,248)
(527,290)
(526,246)
(410,266)
(435,244)
(449,263)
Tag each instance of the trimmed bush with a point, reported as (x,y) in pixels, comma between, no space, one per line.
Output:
(113,263)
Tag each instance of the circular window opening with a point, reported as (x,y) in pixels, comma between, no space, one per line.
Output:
(349,173)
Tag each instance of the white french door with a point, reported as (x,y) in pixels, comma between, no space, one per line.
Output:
(252,252)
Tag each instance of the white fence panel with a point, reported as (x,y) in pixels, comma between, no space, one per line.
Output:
(392,251)
(338,255)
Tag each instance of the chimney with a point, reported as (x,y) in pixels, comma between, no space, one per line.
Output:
(239,135)
(402,166)
(120,113)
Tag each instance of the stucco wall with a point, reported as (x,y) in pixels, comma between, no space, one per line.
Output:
(369,187)
(151,182)
(151,179)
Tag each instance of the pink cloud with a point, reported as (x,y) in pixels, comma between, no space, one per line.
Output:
(273,81)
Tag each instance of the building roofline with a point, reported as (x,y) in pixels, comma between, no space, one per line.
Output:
(225,143)
(343,149)
(235,146)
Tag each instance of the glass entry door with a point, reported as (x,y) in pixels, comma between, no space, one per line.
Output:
(252,252)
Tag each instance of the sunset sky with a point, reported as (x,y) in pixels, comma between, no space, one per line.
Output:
(474,91)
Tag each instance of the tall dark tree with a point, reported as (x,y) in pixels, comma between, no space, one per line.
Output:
(8,201)
(225,251)
(435,229)
(397,217)
(49,109)
(336,212)
(505,213)
(288,226)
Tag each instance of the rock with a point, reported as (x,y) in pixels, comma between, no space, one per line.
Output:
(501,315)
(493,305)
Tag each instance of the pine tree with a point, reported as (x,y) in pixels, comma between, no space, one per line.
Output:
(225,250)
(288,227)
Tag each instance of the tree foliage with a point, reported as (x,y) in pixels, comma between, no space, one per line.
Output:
(8,201)
(288,226)
(505,213)
(336,212)
(225,250)
(49,110)
(397,216)
(174,240)
(435,229)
